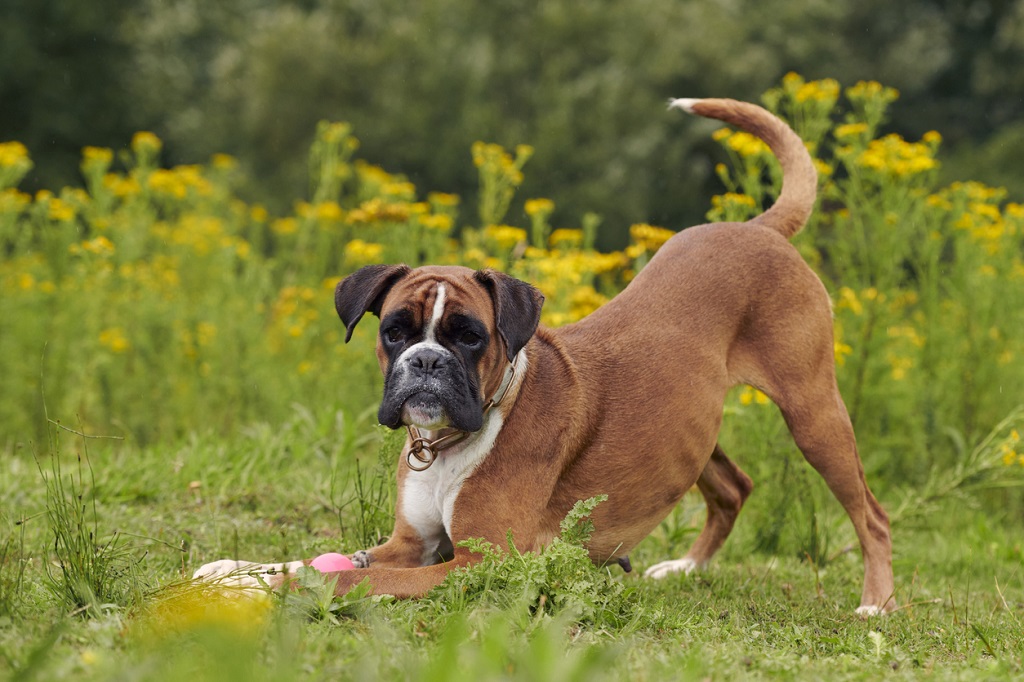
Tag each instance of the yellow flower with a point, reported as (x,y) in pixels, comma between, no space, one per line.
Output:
(442,199)
(505,236)
(896,157)
(399,190)
(121,186)
(285,226)
(97,156)
(146,142)
(850,130)
(13,201)
(192,609)
(871,90)
(539,207)
(792,80)
(12,154)
(634,251)
(60,210)
(167,182)
(377,210)
(224,162)
(733,198)
(564,238)
(359,252)
(259,213)
(721,134)
(328,211)
(584,301)
(205,333)
(840,350)
(114,339)
(750,395)
(900,366)
(848,299)
(906,332)
(438,221)
(745,144)
(649,237)
(820,91)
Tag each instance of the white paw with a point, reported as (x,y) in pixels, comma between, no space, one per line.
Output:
(666,568)
(244,574)
(869,611)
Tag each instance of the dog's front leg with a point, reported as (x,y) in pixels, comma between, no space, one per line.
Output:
(400,582)
(404,549)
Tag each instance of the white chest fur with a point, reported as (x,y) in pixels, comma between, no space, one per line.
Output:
(428,497)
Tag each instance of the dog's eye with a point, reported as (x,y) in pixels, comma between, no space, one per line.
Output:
(393,335)
(470,339)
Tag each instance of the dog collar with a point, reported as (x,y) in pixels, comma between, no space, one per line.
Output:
(423,452)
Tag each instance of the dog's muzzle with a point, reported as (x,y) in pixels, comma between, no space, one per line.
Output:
(428,387)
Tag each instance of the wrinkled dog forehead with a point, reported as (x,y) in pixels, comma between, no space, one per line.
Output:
(431,297)
(501,302)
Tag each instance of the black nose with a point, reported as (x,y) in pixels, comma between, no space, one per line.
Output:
(427,361)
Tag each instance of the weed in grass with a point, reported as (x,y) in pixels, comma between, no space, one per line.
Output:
(558,581)
(314,597)
(12,567)
(372,496)
(96,571)
(992,464)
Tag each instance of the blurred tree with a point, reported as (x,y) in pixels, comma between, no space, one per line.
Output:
(583,82)
(61,87)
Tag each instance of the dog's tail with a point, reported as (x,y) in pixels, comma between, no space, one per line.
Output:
(799,177)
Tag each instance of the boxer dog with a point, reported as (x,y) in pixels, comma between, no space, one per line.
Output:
(510,423)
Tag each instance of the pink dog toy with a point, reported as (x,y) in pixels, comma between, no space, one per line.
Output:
(331,562)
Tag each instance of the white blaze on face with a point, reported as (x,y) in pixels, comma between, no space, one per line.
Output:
(436,314)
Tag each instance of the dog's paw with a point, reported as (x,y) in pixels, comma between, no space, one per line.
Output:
(244,574)
(361,559)
(869,611)
(667,568)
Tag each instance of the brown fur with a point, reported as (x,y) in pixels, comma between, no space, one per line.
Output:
(628,402)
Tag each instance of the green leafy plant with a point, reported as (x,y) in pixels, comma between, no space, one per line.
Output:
(96,570)
(313,597)
(558,581)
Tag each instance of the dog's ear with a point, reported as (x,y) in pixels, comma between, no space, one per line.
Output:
(516,308)
(364,291)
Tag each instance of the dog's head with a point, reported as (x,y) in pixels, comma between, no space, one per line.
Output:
(446,336)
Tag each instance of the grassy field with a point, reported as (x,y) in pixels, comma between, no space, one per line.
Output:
(176,391)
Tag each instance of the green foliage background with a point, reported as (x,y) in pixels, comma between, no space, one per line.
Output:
(582,82)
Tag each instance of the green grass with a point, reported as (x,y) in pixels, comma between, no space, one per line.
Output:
(293,492)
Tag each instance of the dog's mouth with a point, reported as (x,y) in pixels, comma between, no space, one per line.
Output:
(430,407)
(424,410)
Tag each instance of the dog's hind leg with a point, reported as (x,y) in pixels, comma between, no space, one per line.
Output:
(725,487)
(821,427)
(808,396)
